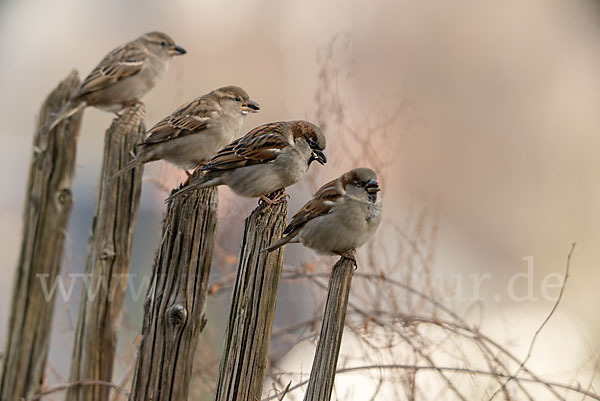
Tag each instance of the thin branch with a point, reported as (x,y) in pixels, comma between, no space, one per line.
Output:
(418,350)
(285,391)
(451,369)
(458,326)
(85,382)
(538,331)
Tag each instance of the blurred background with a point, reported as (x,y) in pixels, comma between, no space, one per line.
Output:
(481,118)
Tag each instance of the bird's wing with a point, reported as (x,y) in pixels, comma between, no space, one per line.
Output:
(121,63)
(321,204)
(261,145)
(191,118)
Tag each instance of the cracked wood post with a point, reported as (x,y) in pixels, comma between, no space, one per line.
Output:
(244,358)
(322,374)
(174,311)
(108,259)
(48,204)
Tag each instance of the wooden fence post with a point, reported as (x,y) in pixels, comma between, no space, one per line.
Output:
(109,255)
(322,373)
(48,204)
(174,311)
(244,358)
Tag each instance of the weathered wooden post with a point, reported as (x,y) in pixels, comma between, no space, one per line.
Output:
(109,255)
(322,373)
(244,358)
(48,204)
(174,311)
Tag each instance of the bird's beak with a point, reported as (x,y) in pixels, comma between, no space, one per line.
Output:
(319,155)
(176,50)
(372,186)
(250,107)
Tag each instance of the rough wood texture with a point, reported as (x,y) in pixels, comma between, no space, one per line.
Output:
(174,311)
(322,373)
(48,203)
(248,332)
(109,255)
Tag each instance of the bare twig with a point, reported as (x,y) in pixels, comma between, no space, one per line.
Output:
(285,391)
(576,389)
(458,325)
(537,332)
(85,382)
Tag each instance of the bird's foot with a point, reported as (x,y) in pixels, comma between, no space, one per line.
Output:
(190,173)
(126,106)
(277,198)
(351,254)
(194,170)
(268,201)
(199,167)
(132,103)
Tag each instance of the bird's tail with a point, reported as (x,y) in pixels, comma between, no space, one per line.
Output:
(66,111)
(132,164)
(279,244)
(201,182)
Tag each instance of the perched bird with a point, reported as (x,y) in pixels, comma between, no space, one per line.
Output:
(268,158)
(194,132)
(123,76)
(342,215)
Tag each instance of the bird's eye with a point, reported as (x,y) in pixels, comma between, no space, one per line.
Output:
(238,99)
(163,44)
(359,184)
(312,143)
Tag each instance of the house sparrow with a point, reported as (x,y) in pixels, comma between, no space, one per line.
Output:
(123,76)
(342,215)
(194,132)
(268,158)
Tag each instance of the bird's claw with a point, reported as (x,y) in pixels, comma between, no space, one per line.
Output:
(351,254)
(280,198)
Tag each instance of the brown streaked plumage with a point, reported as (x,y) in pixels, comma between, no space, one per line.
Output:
(193,133)
(270,157)
(123,76)
(321,204)
(264,143)
(342,215)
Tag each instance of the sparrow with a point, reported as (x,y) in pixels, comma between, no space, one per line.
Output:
(270,157)
(123,76)
(194,132)
(342,215)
